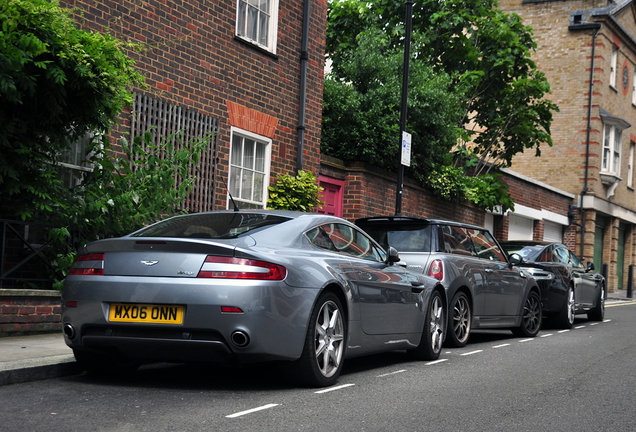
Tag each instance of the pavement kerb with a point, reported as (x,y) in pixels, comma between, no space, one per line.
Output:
(38,369)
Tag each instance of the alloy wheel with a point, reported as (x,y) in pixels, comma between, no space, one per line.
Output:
(461,319)
(329,337)
(436,324)
(571,306)
(532,314)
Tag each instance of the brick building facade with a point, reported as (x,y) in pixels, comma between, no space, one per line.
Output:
(587,49)
(250,73)
(239,68)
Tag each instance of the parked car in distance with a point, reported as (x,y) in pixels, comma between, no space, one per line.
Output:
(567,287)
(485,288)
(247,286)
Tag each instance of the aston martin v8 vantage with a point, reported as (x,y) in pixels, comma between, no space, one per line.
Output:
(248,286)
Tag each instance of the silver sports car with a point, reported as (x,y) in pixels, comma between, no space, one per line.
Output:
(248,286)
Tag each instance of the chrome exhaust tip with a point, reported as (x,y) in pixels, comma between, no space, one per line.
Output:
(69,331)
(240,338)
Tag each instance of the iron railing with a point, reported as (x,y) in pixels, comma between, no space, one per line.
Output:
(26,255)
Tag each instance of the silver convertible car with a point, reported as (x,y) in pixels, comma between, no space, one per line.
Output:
(247,286)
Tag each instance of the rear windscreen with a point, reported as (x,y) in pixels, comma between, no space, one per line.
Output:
(409,238)
(528,252)
(210,225)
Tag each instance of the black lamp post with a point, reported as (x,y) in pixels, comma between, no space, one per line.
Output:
(405,93)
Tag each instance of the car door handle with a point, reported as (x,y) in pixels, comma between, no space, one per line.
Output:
(488,270)
(417,289)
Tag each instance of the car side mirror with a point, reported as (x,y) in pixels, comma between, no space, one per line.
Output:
(515,259)
(392,255)
(590,266)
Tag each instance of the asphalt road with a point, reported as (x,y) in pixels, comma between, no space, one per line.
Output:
(558,381)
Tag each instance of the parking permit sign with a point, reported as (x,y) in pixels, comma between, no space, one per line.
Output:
(406,148)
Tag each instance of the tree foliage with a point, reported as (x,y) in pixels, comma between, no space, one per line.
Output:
(361,108)
(484,52)
(57,83)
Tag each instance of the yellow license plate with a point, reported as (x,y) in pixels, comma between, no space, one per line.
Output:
(145,313)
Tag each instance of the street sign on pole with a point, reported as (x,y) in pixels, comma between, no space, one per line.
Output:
(406,148)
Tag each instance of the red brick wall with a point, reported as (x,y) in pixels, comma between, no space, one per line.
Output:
(193,59)
(532,195)
(369,191)
(29,311)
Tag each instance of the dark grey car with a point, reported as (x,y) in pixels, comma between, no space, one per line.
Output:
(567,286)
(248,286)
(485,289)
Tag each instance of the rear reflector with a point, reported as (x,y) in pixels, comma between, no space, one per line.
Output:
(70,304)
(88,265)
(240,268)
(230,309)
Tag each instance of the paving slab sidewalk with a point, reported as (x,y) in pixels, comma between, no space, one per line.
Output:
(34,357)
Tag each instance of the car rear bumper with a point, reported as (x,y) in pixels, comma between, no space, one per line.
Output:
(272,323)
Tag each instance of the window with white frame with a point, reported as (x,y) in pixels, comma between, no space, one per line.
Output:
(614,60)
(73,163)
(249,169)
(257,22)
(611,150)
(630,166)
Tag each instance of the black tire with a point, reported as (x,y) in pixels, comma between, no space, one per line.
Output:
(598,313)
(103,364)
(323,353)
(565,318)
(531,317)
(430,345)
(459,321)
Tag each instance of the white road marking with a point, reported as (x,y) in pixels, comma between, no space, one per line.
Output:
(564,331)
(391,373)
(579,327)
(472,352)
(242,413)
(436,361)
(334,388)
(594,324)
(525,340)
(607,320)
(501,346)
(547,335)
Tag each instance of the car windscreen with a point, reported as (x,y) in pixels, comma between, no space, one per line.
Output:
(211,225)
(404,238)
(528,252)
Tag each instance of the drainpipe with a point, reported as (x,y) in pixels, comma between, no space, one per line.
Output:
(304,58)
(596,27)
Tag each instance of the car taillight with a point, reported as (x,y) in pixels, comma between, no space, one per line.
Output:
(436,270)
(89,264)
(240,268)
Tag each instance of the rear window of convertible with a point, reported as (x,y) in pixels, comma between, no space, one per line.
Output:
(404,238)
(211,226)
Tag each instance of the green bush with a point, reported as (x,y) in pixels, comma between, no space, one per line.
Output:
(122,195)
(300,193)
